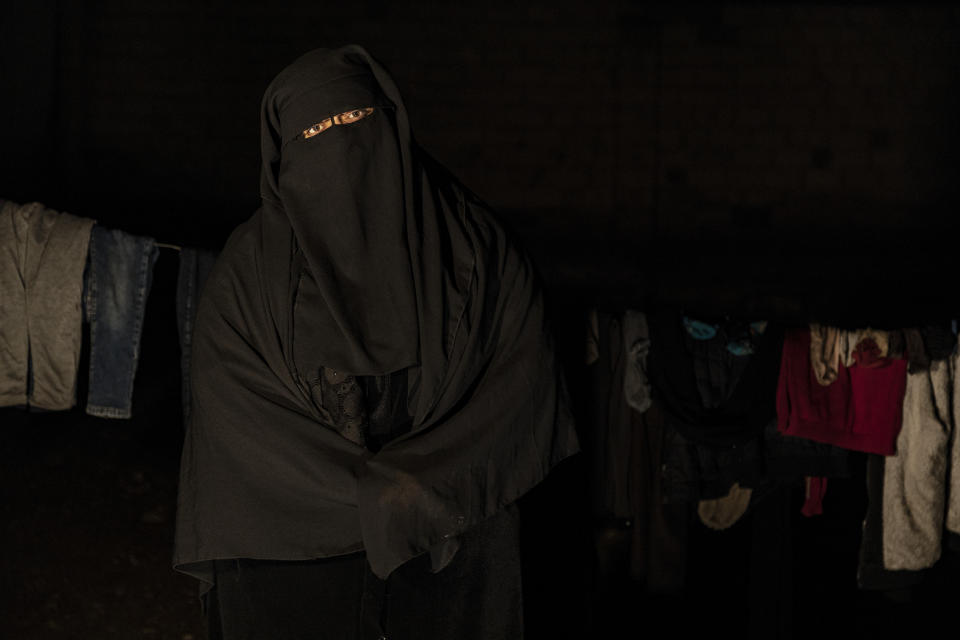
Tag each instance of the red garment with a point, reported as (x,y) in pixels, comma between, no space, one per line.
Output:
(861,410)
(867,354)
(816,489)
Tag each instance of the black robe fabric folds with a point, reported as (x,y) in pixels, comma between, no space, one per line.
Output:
(367,258)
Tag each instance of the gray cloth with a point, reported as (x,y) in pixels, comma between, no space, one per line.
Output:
(42,256)
(636,343)
(914,486)
(658,545)
(610,415)
(592,351)
(871,574)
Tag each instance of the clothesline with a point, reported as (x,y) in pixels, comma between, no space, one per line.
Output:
(91,278)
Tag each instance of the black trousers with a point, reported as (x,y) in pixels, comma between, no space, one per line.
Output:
(476,596)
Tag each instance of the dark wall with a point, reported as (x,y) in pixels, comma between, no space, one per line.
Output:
(789,159)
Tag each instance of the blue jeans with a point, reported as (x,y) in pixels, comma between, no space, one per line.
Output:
(195,265)
(119,276)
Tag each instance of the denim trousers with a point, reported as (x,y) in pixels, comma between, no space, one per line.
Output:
(42,254)
(119,275)
(195,266)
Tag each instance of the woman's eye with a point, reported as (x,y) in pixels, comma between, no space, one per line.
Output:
(354,115)
(313,130)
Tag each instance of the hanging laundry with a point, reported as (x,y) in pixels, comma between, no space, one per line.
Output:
(815,488)
(939,340)
(592,350)
(866,347)
(715,386)
(916,353)
(694,471)
(896,345)
(42,256)
(936,341)
(739,336)
(627,444)
(953,482)
(712,396)
(722,513)
(610,421)
(916,485)
(716,368)
(789,458)
(861,410)
(195,266)
(658,544)
(636,342)
(868,354)
(119,276)
(825,348)
(871,573)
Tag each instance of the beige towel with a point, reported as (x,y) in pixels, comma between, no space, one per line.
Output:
(914,482)
(825,352)
(722,513)
(953,482)
(850,339)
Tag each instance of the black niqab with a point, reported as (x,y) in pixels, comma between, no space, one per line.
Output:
(345,193)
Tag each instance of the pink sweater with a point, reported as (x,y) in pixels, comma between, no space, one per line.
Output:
(861,410)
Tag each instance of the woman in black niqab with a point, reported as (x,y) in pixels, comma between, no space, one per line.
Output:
(373,378)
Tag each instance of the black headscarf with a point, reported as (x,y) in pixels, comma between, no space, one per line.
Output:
(368,258)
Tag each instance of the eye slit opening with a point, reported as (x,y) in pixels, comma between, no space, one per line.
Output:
(347,117)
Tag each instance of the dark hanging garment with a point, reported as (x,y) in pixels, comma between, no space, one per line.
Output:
(195,266)
(366,259)
(611,423)
(658,545)
(714,392)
